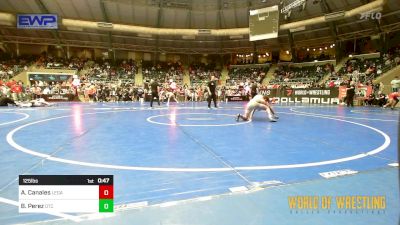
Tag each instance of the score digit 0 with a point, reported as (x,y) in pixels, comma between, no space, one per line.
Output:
(106,192)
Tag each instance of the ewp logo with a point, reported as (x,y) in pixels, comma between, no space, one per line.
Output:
(37,21)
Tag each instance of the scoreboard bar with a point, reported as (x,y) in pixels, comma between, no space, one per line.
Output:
(66,193)
(66,179)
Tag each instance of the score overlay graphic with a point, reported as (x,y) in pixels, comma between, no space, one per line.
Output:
(66,193)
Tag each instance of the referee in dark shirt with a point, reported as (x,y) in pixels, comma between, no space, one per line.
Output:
(350,92)
(253,88)
(211,88)
(154,92)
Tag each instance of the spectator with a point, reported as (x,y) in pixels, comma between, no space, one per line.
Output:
(395,84)
(370,100)
(381,100)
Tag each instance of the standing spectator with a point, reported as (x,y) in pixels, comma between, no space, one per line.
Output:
(37,92)
(141,94)
(46,90)
(16,90)
(331,84)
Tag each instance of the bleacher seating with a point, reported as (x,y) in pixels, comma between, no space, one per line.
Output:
(365,69)
(117,78)
(301,76)
(200,72)
(11,67)
(163,71)
(105,70)
(238,74)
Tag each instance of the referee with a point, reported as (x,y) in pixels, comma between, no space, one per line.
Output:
(211,88)
(350,92)
(253,89)
(154,92)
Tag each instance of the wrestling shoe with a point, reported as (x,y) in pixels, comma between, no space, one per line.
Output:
(237,117)
(272,118)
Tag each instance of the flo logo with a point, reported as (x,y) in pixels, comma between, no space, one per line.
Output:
(370,15)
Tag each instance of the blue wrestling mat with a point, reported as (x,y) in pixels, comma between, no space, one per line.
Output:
(188,151)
